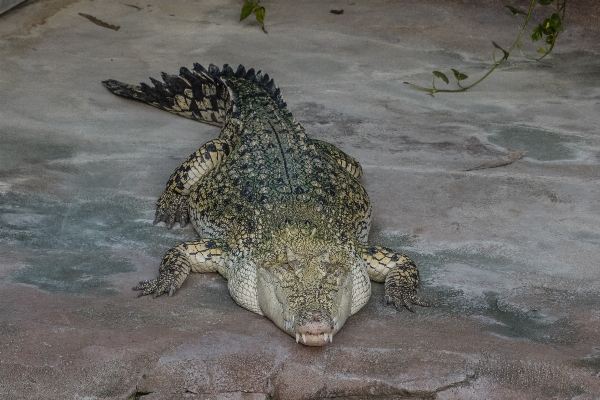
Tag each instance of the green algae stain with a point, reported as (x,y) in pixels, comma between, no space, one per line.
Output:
(74,247)
(74,273)
(540,144)
(498,318)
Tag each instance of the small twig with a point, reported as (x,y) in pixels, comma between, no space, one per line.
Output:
(513,156)
(133,6)
(100,23)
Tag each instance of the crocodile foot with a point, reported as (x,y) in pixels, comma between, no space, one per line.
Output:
(174,268)
(170,208)
(401,286)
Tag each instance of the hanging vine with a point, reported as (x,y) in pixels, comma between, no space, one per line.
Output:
(548,31)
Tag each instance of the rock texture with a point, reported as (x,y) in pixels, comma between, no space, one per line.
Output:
(508,255)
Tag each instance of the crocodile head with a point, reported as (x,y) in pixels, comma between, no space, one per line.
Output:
(307,291)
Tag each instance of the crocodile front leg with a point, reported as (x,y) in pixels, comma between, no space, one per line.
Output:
(204,255)
(172,206)
(399,273)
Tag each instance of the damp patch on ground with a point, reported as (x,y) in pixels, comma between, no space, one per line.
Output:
(540,144)
(71,247)
(496,316)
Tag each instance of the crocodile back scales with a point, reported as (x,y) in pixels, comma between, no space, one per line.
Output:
(274,174)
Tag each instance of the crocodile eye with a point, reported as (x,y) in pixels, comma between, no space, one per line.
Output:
(295,267)
(334,277)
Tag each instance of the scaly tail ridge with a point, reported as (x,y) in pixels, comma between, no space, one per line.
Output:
(201,94)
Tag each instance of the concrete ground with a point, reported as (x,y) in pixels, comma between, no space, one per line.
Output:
(509,254)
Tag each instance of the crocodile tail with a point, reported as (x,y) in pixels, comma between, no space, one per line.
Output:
(200,94)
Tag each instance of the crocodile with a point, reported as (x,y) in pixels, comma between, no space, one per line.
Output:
(283,217)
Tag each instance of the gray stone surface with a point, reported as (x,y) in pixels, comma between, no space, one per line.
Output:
(509,255)
(6,5)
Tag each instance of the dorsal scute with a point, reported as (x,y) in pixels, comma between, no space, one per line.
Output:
(214,74)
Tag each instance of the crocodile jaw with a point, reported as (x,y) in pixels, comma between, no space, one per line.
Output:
(315,329)
(308,327)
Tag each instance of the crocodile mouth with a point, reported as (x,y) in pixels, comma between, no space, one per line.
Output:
(316,330)
(311,339)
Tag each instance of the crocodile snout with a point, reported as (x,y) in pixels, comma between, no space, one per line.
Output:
(315,329)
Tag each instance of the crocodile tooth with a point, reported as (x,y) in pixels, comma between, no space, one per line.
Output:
(325,337)
(304,338)
(297,337)
(331,338)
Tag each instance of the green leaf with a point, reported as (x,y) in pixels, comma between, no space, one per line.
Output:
(536,33)
(440,75)
(548,29)
(503,51)
(541,51)
(556,22)
(459,75)
(515,11)
(247,9)
(260,15)
(545,2)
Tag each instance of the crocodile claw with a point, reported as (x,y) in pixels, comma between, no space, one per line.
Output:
(401,286)
(172,207)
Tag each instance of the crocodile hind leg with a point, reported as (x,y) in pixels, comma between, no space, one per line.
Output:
(204,255)
(349,163)
(172,206)
(399,273)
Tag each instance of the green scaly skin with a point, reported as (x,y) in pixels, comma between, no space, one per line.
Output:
(282,217)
